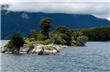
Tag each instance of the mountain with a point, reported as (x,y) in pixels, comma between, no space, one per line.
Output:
(23,22)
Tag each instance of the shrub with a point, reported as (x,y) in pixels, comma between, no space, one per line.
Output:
(62,35)
(45,42)
(63,29)
(33,34)
(61,38)
(8,45)
(41,37)
(76,34)
(82,39)
(15,43)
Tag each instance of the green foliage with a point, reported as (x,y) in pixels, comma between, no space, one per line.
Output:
(45,24)
(82,39)
(78,38)
(36,36)
(63,29)
(62,35)
(15,43)
(76,34)
(17,40)
(8,45)
(41,37)
(57,39)
(30,43)
(45,42)
(33,34)
(97,34)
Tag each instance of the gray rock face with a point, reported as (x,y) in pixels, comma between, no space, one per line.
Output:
(44,49)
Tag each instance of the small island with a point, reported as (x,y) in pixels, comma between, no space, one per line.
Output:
(46,41)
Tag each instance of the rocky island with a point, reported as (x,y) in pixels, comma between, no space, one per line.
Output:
(46,41)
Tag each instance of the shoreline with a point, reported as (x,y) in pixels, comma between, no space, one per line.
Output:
(48,49)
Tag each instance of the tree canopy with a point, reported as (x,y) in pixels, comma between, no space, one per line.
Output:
(15,43)
(45,24)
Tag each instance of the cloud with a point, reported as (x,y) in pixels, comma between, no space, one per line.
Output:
(98,9)
(108,18)
(5,1)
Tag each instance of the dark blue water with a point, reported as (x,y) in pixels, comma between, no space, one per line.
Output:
(95,57)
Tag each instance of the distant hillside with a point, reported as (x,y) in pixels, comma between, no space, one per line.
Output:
(23,22)
(101,33)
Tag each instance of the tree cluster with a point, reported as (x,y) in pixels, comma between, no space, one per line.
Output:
(96,34)
(62,35)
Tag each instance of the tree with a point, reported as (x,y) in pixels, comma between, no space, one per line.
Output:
(63,29)
(78,38)
(33,34)
(101,33)
(41,37)
(61,38)
(76,34)
(62,35)
(81,40)
(45,24)
(16,42)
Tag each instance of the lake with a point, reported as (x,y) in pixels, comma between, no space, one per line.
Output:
(94,57)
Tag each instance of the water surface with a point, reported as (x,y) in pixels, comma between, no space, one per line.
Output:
(95,57)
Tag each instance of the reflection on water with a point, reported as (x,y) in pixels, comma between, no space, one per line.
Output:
(95,57)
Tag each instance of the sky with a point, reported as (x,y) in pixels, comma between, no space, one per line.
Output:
(55,1)
(98,8)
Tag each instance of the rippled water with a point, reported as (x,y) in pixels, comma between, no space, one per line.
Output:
(95,57)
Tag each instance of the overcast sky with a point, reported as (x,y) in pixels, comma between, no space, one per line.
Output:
(98,8)
(55,0)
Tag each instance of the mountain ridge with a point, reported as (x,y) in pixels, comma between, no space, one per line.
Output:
(23,22)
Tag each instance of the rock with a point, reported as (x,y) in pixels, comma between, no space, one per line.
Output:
(38,48)
(24,48)
(47,49)
(41,52)
(4,50)
(50,50)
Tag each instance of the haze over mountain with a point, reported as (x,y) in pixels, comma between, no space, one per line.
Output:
(23,22)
